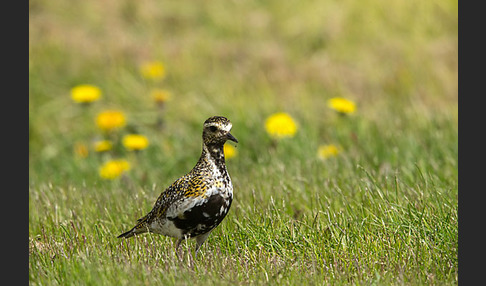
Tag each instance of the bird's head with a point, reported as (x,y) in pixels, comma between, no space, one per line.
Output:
(217,131)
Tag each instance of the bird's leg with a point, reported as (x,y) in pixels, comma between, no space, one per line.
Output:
(178,244)
(199,241)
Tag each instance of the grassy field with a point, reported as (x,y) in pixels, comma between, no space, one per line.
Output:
(383,210)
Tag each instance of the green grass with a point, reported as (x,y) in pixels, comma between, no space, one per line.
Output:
(384,211)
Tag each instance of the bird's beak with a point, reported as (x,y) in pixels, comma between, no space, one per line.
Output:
(231,137)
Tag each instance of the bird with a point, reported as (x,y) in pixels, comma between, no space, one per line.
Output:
(196,203)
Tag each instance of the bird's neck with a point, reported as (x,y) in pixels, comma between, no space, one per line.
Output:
(214,152)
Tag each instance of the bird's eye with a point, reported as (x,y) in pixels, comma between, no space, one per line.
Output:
(213,128)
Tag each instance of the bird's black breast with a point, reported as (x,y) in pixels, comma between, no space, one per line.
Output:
(204,217)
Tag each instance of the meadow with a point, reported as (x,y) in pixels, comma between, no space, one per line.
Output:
(361,196)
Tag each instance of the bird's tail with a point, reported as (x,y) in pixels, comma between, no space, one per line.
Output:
(127,234)
(141,227)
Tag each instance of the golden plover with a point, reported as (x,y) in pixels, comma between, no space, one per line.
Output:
(197,202)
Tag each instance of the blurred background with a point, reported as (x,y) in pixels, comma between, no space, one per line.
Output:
(346,114)
(246,60)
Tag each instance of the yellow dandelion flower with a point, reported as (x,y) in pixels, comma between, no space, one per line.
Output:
(327,151)
(153,70)
(110,119)
(160,95)
(342,105)
(81,150)
(230,151)
(113,169)
(103,146)
(280,125)
(85,93)
(135,142)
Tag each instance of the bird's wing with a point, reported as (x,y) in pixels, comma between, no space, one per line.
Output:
(169,196)
(197,186)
